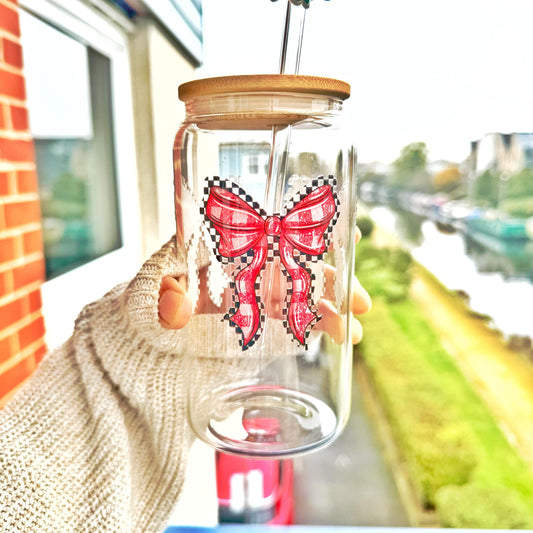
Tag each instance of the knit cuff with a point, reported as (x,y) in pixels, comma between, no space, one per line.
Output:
(141,297)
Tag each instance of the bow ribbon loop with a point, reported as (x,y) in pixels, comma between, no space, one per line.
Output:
(240,229)
(304,226)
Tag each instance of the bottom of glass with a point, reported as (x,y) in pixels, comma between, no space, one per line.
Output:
(265,421)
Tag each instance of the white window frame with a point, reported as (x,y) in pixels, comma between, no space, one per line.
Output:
(64,296)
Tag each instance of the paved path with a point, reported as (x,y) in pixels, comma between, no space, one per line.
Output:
(503,378)
(348,483)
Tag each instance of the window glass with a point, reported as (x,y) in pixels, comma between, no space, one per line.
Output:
(70,107)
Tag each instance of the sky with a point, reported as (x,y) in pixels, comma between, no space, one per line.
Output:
(440,72)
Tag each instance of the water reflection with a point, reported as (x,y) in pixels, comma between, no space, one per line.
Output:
(512,258)
(409,227)
(497,274)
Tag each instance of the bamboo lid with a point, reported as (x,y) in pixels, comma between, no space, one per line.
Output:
(264,83)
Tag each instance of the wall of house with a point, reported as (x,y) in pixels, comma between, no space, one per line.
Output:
(21,255)
(158,68)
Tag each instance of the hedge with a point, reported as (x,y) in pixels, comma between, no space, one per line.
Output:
(459,460)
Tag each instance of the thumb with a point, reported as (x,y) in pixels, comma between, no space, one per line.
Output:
(175,306)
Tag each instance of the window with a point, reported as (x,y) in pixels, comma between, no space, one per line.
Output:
(71,118)
(78,80)
(253,164)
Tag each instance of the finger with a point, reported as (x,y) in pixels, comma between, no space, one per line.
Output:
(329,286)
(331,322)
(357,330)
(360,301)
(175,307)
(358,234)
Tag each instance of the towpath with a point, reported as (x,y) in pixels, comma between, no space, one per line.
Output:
(502,377)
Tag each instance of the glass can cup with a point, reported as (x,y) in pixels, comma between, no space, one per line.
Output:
(265,196)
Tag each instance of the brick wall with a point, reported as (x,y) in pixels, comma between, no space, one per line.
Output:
(21,253)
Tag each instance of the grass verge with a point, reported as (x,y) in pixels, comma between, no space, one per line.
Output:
(460,462)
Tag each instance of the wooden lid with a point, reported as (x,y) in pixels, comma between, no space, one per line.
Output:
(264,83)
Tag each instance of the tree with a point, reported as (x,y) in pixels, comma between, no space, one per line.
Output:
(486,189)
(447,179)
(520,185)
(410,169)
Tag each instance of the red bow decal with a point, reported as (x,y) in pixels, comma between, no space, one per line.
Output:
(242,230)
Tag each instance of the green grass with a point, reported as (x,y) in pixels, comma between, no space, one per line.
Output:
(518,207)
(459,460)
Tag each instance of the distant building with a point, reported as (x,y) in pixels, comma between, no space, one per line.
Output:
(503,153)
(521,151)
(248,160)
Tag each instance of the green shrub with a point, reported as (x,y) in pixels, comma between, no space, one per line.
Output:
(443,457)
(384,272)
(481,507)
(454,450)
(366,225)
(518,207)
(435,445)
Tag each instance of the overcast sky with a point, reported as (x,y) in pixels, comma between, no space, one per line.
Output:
(420,70)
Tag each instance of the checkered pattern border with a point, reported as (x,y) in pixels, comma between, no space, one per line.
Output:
(273,251)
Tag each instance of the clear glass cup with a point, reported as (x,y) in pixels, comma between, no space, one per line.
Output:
(265,210)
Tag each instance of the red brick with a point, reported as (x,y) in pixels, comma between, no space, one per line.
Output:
(12,84)
(4,289)
(9,20)
(29,273)
(4,183)
(8,249)
(11,313)
(16,150)
(3,123)
(20,213)
(35,300)
(27,181)
(16,375)
(5,349)
(19,118)
(31,333)
(40,353)
(8,347)
(33,242)
(12,53)
(6,282)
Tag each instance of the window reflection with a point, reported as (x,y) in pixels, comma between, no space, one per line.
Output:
(71,117)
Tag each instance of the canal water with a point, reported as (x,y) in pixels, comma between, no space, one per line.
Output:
(496,274)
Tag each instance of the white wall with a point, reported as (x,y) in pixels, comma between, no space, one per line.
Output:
(158,69)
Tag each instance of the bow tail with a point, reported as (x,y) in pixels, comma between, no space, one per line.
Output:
(247,317)
(300,314)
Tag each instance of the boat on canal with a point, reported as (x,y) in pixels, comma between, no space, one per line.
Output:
(500,225)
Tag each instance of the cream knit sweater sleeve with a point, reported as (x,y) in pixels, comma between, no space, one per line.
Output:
(97,440)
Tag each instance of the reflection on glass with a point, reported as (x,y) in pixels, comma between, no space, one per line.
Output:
(77,184)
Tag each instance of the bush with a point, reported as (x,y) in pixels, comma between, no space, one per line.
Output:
(480,507)
(458,458)
(518,207)
(434,443)
(366,225)
(384,272)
